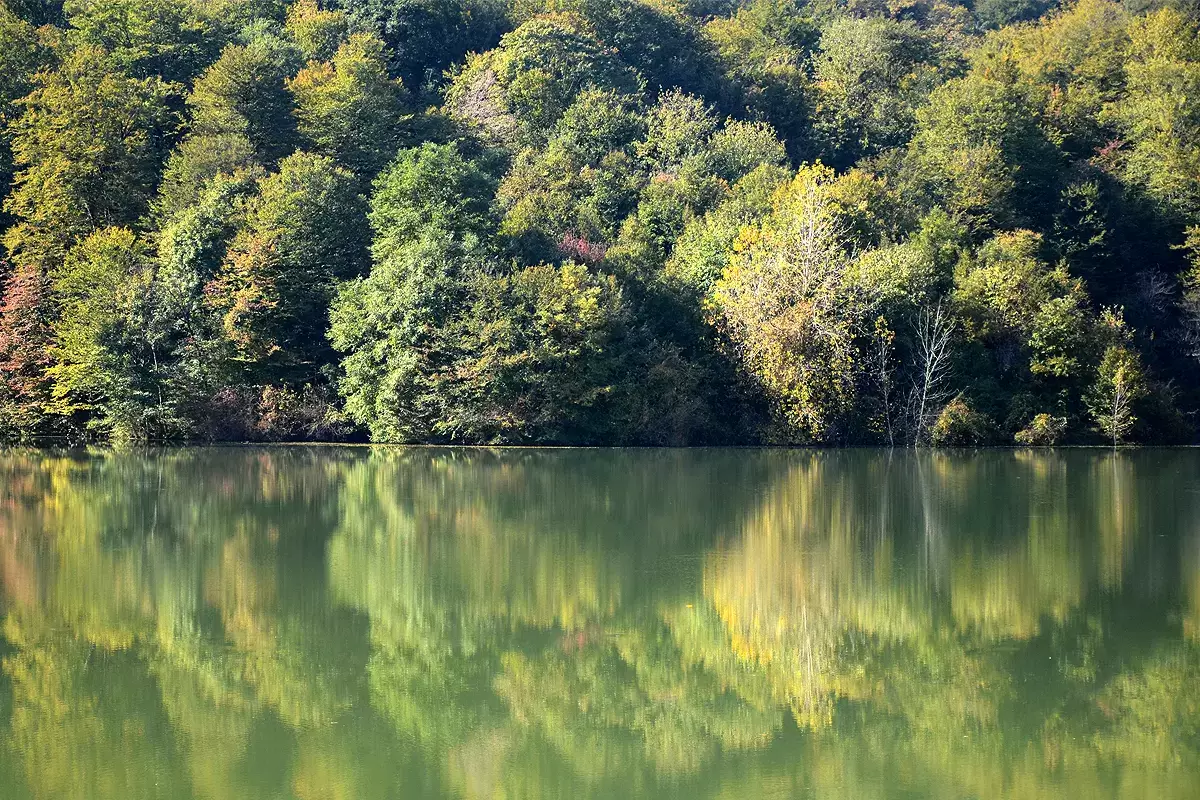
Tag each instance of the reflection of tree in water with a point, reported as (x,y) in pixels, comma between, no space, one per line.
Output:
(168,571)
(376,623)
(993,664)
(508,599)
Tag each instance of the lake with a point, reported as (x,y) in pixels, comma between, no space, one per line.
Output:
(353,622)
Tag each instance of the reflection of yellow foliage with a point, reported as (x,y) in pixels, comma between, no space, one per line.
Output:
(477,766)
(211,718)
(1007,594)
(325,771)
(72,744)
(1155,711)
(1113,482)
(1191,580)
(245,595)
(901,610)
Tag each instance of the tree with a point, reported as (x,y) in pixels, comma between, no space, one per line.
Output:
(192,246)
(661,43)
(303,233)
(1120,383)
(430,187)
(110,356)
(978,147)
(390,328)
(1156,117)
(165,38)
(572,196)
(931,387)
(243,94)
(426,37)
(1077,57)
(88,148)
(519,90)
(1019,305)
(24,338)
(348,108)
(1190,301)
(430,214)
(790,311)
(703,249)
(998,13)
(22,54)
(536,360)
(764,48)
(869,75)
(319,32)
(195,164)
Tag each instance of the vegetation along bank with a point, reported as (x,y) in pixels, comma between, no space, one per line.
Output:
(601,221)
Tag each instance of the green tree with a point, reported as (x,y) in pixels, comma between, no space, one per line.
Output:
(980,151)
(536,360)
(430,187)
(303,232)
(243,94)
(869,76)
(1077,59)
(1031,335)
(764,49)
(430,213)
(110,359)
(571,197)
(518,91)
(319,32)
(1190,300)
(662,44)
(998,13)
(426,37)
(88,148)
(348,108)
(390,327)
(1156,116)
(195,163)
(703,249)
(167,38)
(22,54)
(192,246)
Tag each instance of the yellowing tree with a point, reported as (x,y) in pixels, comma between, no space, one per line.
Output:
(789,306)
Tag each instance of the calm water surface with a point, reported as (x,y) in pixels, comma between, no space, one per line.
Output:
(393,623)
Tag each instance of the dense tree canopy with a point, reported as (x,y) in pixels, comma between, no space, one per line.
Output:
(615,221)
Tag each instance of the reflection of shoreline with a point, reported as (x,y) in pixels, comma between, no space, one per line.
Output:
(613,624)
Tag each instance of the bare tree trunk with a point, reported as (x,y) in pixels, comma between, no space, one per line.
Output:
(934,329)
(1119,407)
(884,365)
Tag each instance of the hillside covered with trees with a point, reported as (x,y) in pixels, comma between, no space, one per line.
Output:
(601,221)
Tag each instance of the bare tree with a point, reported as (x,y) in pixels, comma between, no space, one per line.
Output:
(884,375)
(931,388)
(1156,290)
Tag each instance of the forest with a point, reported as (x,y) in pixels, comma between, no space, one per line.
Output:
(624,222)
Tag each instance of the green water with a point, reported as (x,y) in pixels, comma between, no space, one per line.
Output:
(394,623)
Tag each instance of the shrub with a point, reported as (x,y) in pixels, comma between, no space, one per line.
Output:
(1043,430)
(960,425)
